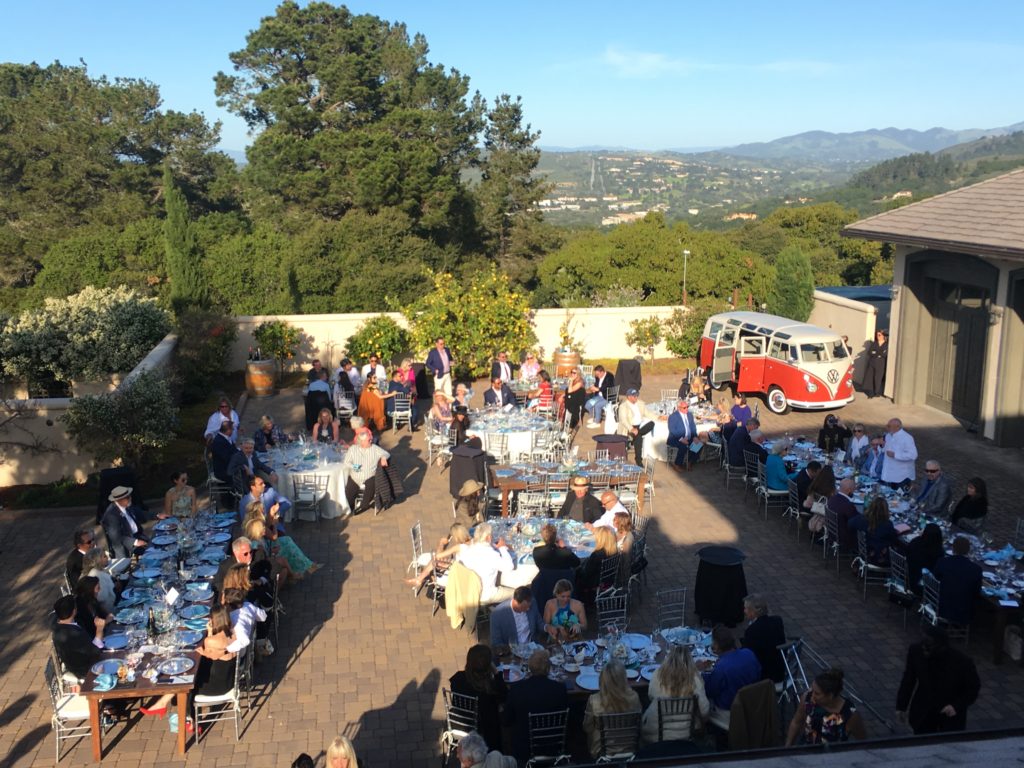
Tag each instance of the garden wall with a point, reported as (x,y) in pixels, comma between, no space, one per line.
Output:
(853,319)
(38,420)
(601,332)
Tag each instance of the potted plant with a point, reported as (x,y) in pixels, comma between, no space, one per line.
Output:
(276,342)
(566,356)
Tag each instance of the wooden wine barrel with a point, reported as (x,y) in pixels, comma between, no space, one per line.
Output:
(259,377)
(565,362)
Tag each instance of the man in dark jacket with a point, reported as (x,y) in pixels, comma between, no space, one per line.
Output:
(579,504)
(804,478)
(537,693)
(960,578)
(77,649)
(763,636)
(739,441)
(939,684)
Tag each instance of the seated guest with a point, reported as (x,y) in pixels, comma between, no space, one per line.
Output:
(245,465)
(756,446)
(470,504)
(542,396)
(879,532)
(399,386)
(588,577)
(634,423)
(462,396)
(823,486)
(87,604)
(858,447)
(934,496)
(371,404)
(361,461)
(344,387)
(740,411)
(501,368)
(313,374)
(699,387)
(974,506)
(341,754)
(267,496)
(224,412)
(804,478)
(441,412)
(736,667)
(122,524)
(624,537)
(775,474)
(537,693)
(481,679)
(460,424)
(614,695)
(763,636)
(327,429)
(612,507)
(579,504)
(84,538)
(517,621)
(682,435)
(499,395)
(488,561)
(740,441)
(77,649)
(874,458)
(319,384)
(95,564)
(447,551)
(260,533)
(598,395)
(472,752)
(180,499)
(564,617)
(842,504)
(676,678)
(530,368)
(960,580)
(923,552)
(824,715)
(833,434)
(260,568)
(222,449)
(247,618)
(374,367)
(553,554)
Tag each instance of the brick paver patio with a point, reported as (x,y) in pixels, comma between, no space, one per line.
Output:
(359,655)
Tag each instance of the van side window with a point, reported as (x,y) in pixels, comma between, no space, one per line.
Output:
(813,353)
(726,337)
(779,351)
(753,345)
(714,330)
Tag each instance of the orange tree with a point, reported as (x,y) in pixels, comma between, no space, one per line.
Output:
(476,320)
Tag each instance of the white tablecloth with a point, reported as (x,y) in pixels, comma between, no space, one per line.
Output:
(656,442)
(335,504)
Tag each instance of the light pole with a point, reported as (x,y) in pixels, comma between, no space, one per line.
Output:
(686,258)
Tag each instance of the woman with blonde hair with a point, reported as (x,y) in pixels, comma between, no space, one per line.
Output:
(326,429)
(614,695)
(273,538)
(94,564)
(408,374)
(448,547)
(341,754)
(589,574)
(676,678)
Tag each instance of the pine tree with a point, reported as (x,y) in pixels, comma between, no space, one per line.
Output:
(793,295)
(187,287)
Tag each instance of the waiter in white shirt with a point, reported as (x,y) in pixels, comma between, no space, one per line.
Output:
(900,455)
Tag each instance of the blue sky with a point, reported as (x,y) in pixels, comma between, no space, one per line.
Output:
(648,75)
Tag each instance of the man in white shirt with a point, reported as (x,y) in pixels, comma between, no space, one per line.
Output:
(634,423)
(244,618)
(375,367)
(612,507)
(900,455)
(488,562)
(224,412)
(319,384)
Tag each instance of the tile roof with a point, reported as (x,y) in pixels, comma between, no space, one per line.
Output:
(985,218)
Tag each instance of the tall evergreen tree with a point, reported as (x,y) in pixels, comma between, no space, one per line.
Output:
(793,295)
(187,287)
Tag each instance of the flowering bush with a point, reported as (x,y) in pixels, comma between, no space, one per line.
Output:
(476,321)
(381,336)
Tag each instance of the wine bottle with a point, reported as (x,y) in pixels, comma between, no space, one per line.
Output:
(151,625)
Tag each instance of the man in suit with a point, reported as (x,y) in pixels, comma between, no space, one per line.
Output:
(960,578)
(939,684)
(579,504)
(804,478)
(84,539)
(603,381)
(764,635)
(842,504)
(682,433)
(77,649)
(122,524)
(517,620)
(873,460)
(439,363)
(499,395)
(935,495)
(502,369)
(262,590)
(244,465)
(739,441)
(634,423)
(537,693)
(222,449)
(756,446)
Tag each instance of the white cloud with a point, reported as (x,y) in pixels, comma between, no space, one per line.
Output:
(644,65)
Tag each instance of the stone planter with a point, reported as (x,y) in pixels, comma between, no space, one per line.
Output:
(565,362)
(260,376)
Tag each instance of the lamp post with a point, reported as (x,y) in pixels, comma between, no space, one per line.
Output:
(686,258)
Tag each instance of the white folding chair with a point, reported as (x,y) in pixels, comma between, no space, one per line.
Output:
(769,495)
(897,585)
(70,716)
(226,706)
(460,712)
(402,414)
(868,573)
(309,492)
(671,607)
(930,601)
(612,610)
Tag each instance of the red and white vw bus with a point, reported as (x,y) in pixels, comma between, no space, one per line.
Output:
(793,364)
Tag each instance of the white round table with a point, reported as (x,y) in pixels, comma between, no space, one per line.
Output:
(292,462)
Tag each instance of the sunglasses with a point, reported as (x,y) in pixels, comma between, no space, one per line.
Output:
(858,430)
(931,471)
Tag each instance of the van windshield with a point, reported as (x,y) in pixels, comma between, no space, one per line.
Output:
(814,353)
(838,350)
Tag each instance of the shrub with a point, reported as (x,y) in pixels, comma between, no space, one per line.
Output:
(476,321)
(204,344)
(381,336)
(645,335)
(279,340)
(684,327)
(132,424)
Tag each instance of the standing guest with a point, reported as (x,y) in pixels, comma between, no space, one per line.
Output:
(841,502)
(923,552)
(825,716)
(371,404)
(180,500)
(960,578)
(575,397)
(341,754)
(481,679)
(740,441)
(374,366)
(95,564)
(327,429)
(313,374)
(77,649)
(939,684)
(858,447)
(400,386)
(530,368)
(805,477)
(84,538)
(763,636)
(776,476)
(900,455)
(613,696)
(319,384)
(501,368)
(224,412)
(537,693)
(488,561)
(974,506)
(874,373)
(874,458)
(579,504)
(564,617)
(122,524)
(676,678)
(553,555)
(598,401)
(634,423)
(354,377)
(935,495)
(740,410)
(879,532)
(833,434)
(439,363)
(361,460)
(517,621)
(472,752)
(682,435)
(499,395)
(736,667)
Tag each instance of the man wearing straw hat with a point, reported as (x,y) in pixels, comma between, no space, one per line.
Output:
(579,504)
(122,524)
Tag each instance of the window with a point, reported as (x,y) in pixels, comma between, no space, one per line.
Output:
(779,350)
(726,337)
(714,330)
(813,353)
(838,350)
(753,345)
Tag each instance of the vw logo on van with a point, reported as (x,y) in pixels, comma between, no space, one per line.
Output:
(833,376)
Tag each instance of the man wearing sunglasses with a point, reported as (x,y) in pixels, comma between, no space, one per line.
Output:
(84,539)
(935,495)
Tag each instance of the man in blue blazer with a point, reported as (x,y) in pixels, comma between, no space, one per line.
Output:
(682,433)
(439,363)
(499,394)
(537,693)
(960,579)
(517,620)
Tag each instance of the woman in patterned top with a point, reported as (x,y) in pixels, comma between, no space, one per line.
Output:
(824,715)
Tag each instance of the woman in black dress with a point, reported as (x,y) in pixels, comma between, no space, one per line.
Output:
(923,552)
(973,506)
(575,397)
(482,680)
(87,604)
(874,374)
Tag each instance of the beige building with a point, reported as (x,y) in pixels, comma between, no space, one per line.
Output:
(957,330)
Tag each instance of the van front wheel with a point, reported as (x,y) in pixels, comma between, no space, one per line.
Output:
(777,402)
